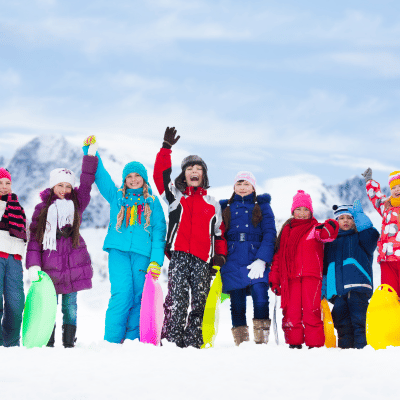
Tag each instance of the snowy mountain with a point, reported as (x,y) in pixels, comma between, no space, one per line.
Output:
(31,165)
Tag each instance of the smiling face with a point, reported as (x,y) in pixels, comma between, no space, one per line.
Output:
(346,222)
(194,175)
(5,186)
(301,213)
(61,189)
(134,181)
(243,188)
(395,191)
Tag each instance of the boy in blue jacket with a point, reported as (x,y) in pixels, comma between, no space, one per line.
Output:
(348,274)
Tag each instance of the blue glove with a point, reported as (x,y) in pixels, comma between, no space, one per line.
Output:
(360,219)
(324,287)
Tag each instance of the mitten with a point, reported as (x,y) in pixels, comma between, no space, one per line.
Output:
(33,273)
(93,145)
(257,269)
(154,269)
(169,138)
(328,230)
(324,288)
(274,283)
(360,219)
(367,174)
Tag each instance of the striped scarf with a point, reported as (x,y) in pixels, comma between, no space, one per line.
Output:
(14,219)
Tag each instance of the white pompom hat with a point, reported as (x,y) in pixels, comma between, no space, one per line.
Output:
(62,175)
(245,176)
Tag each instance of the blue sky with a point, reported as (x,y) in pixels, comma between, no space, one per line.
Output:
(277,88)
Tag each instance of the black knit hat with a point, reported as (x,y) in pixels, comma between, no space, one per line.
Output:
(193,160)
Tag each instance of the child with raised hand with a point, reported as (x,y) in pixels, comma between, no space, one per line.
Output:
(194,240)
(251,234)
(56,246)
(135,244)
(389,241)
(12,248)
(296,272)
(348,271)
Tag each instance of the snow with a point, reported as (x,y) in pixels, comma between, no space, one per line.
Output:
(98,370)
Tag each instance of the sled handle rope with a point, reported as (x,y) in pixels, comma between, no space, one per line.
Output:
(274,322)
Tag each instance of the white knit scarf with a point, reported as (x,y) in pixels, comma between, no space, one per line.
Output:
(60,213)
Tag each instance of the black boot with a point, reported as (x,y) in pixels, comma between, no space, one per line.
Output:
(68,336)
(51,341)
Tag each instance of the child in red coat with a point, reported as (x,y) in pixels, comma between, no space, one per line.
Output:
(296,272)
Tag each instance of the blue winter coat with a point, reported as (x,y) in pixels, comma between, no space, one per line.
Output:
(149,241)
(348,262)
(247,243)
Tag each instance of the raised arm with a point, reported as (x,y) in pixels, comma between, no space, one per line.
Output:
(374,193)
(103,180)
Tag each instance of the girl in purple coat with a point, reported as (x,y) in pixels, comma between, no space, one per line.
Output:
(55,245)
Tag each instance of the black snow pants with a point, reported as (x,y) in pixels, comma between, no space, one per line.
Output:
(185,272)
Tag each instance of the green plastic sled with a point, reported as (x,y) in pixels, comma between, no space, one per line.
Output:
(39,312)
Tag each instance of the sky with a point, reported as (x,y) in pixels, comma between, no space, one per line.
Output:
(278,88)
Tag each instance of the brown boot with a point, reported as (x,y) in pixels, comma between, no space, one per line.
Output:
(240,334)
(261,330)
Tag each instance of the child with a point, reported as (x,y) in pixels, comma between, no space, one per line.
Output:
(194,239)
(55,245)
(250,232)
(296,272)
(389,241)
(348,266)
(135,242)
(12,247)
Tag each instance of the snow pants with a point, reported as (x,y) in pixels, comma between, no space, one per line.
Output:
(349,316)
(390,274)
(127,271)
(259,293)
(186,272)
(301,321)
(12,300)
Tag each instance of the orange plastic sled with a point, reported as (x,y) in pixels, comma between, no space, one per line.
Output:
(329,331)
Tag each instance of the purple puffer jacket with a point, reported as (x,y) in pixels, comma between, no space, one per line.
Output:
(69,268)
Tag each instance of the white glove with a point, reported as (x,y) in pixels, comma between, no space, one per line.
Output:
(92,149)
(257,269)
(33,273)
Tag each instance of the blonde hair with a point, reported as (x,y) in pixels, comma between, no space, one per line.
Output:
(147,209)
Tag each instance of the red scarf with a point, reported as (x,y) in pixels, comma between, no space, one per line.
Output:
(290,238)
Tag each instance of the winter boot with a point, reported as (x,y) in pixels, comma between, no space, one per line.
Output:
(240,334)
(261,330)
(68,336)
(51,341)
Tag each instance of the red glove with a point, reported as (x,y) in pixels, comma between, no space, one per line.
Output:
(276,288)
(274,284)
(328,230)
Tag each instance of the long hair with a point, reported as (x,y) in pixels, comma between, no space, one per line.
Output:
(180,180)
(42,219)
(256,216)
(147,209)
(278,239)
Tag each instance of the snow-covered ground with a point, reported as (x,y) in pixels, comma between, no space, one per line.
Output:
(95,369)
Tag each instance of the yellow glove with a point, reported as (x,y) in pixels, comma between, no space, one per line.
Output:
(154,269)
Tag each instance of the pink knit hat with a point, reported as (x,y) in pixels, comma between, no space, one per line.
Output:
(246,176)
(302,199)
(4,174)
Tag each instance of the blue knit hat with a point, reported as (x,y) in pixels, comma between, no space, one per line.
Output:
(135,166)
(342,210)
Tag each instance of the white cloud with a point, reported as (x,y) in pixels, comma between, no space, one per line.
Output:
(9,78)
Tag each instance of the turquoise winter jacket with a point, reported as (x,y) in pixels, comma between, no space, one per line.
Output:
(149,241)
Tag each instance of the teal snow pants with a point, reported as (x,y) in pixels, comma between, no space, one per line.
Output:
(127,271)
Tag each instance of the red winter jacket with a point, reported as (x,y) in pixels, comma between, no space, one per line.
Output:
(309,255)
(195,220)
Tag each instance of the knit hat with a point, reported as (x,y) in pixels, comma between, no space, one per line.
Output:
(62,175)
(4,174)
(135,167)
(193,160)
(342,210)
(246,176)
(394,179)
(301,199)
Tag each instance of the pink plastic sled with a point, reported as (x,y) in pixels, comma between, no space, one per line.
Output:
(151,312)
